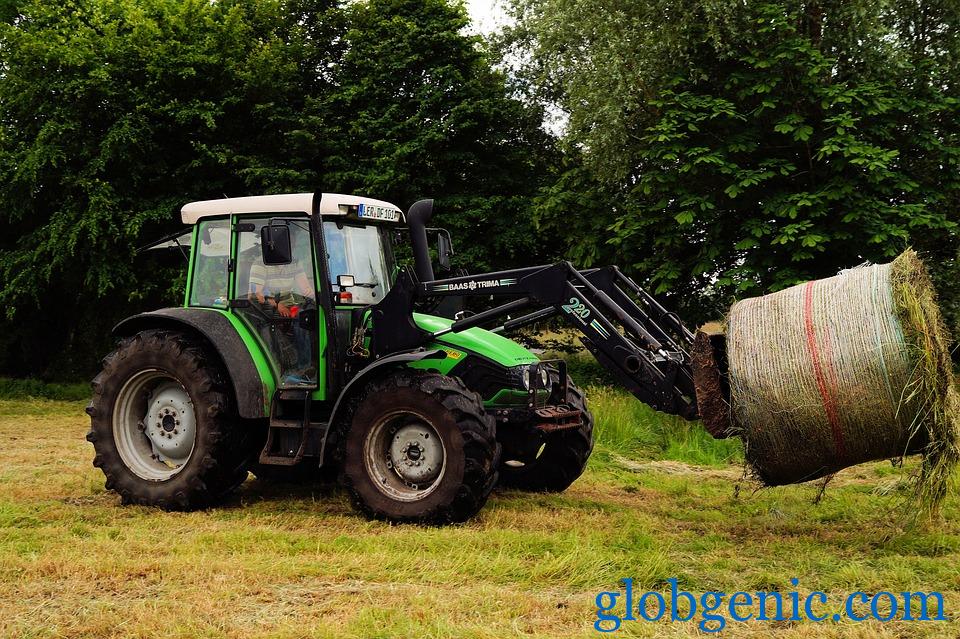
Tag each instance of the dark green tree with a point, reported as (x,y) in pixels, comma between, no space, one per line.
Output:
(748,146)
(420,112)
(114,113)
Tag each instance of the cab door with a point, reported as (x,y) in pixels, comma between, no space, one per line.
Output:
(279,301)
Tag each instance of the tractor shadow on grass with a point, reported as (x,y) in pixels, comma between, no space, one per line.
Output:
(325,495)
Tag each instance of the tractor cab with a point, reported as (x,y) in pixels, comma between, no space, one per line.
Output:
(292,268)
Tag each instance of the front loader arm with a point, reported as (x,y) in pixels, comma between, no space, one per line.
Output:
(626,330)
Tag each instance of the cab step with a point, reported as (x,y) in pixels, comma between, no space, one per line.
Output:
(288,439)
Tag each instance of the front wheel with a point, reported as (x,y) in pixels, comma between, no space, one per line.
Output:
(420,448)
(550,462)
(163,426)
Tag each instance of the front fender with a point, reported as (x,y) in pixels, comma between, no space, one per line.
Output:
(369,372)
(251,390)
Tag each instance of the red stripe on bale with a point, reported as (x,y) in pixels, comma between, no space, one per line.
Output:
(829,405)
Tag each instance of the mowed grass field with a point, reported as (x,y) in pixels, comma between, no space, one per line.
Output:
(660,499)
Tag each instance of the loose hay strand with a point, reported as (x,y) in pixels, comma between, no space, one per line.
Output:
(933,392)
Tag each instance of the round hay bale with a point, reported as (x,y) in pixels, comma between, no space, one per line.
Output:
(845,370)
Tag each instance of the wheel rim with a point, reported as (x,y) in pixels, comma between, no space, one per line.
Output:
(154,425)
(405,456)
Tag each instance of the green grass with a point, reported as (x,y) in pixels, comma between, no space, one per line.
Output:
(20,388)
(626,426)
(298,562)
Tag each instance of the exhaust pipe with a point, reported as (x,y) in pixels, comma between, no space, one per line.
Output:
(417,218)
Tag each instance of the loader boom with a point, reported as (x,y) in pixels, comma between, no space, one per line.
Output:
(642,344)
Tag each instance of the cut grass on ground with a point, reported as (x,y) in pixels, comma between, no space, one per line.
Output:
(658,501)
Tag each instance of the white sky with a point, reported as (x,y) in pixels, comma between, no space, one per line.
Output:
(487,15)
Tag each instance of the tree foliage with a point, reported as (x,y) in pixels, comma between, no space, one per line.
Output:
(734,148)
(114,113)
(420,112)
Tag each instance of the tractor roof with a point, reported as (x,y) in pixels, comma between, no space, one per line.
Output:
(329,204)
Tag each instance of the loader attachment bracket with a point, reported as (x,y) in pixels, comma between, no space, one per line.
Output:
(553,418)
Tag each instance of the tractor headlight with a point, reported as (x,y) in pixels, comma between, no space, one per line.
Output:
(544,378)
(541,376)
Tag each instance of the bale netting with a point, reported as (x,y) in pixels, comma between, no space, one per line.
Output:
(840,371)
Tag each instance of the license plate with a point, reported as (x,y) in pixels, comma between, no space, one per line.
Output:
(372,212)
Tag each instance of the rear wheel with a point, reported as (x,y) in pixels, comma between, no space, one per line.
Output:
(549,462)
(163,426)
(421,448)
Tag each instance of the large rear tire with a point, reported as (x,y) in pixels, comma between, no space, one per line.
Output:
(163,424)
(420,448)
(557,460)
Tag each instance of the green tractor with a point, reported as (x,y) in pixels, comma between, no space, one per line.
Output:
(303,347)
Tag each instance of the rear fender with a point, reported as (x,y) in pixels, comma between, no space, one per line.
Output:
(251,391)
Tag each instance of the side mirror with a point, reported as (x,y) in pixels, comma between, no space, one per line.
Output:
(346,281)
(275,244)
(444,250)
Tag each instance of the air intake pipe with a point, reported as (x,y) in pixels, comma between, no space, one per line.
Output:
(417,218)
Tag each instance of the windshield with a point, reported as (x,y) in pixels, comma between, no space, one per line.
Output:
(357,251)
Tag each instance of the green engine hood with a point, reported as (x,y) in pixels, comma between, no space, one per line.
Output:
(477,340)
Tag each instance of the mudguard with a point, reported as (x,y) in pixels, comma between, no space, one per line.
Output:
(369,372)
(216,329)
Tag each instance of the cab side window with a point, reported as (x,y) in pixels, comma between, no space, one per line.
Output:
(209,284)
(281,282)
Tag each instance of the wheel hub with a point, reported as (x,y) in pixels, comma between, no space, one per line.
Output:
(416,454)
(170,424)
(154,425)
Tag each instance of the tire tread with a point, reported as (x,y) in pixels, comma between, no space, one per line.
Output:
(227,447)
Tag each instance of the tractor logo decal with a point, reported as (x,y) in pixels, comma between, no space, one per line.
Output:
(576,308)
(579,310)
(471,285)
